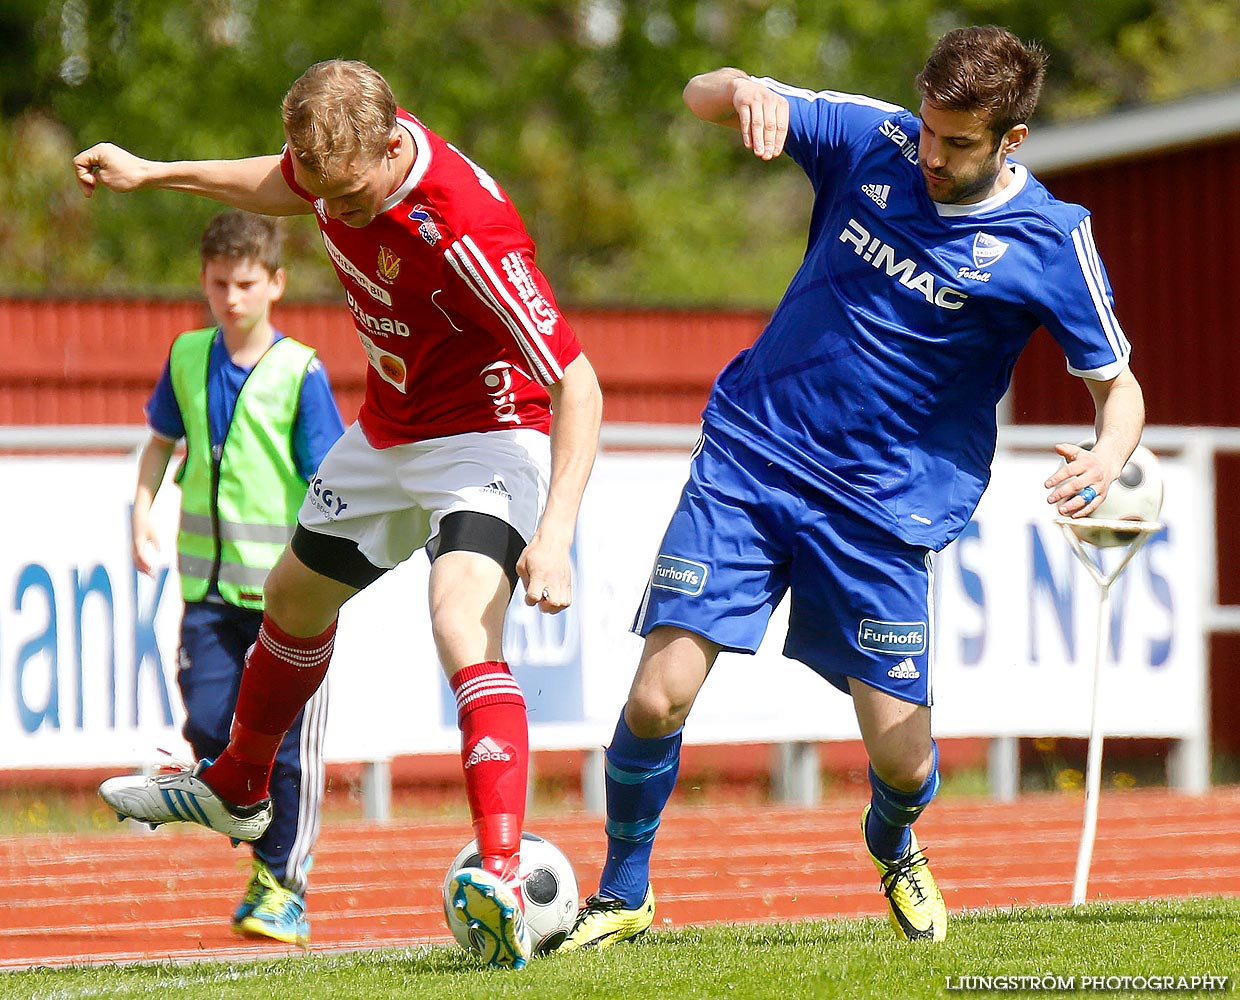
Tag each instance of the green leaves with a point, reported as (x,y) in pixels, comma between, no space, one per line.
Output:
(573,105)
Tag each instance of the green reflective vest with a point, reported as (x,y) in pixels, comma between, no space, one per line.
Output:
(238,506)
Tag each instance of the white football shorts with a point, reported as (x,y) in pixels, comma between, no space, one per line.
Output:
(390,501)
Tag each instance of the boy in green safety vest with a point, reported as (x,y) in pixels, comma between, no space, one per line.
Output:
(257,414)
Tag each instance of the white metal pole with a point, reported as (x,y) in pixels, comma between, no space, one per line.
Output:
(1142,532)
(1093,768)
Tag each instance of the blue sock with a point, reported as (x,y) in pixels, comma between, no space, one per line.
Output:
(892,812)
(640,777)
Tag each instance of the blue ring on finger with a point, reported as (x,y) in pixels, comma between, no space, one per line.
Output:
(1089,494)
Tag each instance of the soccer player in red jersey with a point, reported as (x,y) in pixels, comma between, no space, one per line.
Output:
(475,441)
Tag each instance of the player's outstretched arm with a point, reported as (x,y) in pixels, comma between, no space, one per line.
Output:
(733,98)
(577,411)
(1119,408)
(254,184)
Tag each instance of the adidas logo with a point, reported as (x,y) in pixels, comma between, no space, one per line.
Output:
(497,487)
(905,670)
(486,749)
(877,193)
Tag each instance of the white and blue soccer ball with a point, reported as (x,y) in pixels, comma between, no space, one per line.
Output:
(549,885)
(1135,495)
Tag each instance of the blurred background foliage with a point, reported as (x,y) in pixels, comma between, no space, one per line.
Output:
(574,105)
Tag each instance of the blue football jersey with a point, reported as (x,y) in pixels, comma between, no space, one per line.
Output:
(878,375)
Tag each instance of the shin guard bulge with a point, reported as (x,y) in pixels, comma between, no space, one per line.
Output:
(641,774)
(495,755)
(893,812)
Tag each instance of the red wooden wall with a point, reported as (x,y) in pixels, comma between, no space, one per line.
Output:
(66,361)
(1168,229)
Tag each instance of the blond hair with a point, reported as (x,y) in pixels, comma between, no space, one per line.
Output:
(338,112)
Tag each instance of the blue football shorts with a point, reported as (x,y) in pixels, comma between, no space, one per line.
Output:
(745,533)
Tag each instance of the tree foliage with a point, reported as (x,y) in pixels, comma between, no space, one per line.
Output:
(573,104)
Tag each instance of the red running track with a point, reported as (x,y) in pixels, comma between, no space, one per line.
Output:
(144,896)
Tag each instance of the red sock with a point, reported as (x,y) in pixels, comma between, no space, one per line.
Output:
(281,673)
(495,752)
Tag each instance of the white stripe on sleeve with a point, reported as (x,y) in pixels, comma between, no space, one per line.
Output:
(476,271)
(1086,255)
(466,272)
(833,96)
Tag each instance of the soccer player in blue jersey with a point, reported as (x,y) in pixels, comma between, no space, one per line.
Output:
(854,439)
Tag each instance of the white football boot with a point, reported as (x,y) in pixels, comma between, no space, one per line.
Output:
(183,797)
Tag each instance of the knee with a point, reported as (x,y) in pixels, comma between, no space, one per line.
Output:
(463,637)
(904,769)
(276,601)
(296,608)
(281,601)
(673,667)
(447,628)
(651,712)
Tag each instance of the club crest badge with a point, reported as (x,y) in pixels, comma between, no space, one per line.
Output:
(389,264)
(987,250)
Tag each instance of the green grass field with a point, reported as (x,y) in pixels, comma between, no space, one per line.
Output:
(836,959)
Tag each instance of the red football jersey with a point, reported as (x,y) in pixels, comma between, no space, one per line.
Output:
(461,328)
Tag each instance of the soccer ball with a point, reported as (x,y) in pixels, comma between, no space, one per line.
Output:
(549,885)
(1136,495)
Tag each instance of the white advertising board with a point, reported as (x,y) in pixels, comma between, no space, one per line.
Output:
(88,647)
(87,644)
